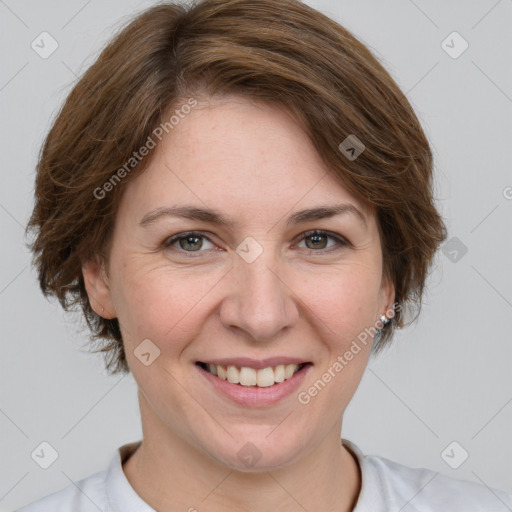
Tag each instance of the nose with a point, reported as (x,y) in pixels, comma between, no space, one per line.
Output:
(260,300)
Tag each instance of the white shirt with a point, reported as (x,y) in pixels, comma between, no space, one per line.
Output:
(386,487)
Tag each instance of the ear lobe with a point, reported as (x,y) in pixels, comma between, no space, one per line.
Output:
(98,289)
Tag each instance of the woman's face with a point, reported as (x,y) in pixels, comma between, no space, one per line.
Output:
(259,287)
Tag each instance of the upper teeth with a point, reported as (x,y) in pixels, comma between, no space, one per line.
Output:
(251,377)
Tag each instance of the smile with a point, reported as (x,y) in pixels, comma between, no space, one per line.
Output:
(253,387)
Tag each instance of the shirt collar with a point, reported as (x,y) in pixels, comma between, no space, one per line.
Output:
(121,496)
(371,497)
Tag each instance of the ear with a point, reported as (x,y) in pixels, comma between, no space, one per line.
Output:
(97,286)
(387,296)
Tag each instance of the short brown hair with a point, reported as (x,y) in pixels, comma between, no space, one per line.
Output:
(277,51)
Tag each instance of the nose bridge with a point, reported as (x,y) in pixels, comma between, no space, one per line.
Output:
(260,303)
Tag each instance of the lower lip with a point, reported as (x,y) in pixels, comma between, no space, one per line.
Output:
(253,396)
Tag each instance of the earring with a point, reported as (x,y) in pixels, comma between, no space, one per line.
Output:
(384,320)
(102,309)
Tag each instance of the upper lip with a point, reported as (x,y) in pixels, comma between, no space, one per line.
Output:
(254,363)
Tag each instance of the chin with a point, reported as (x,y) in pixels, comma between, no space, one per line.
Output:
(252,450)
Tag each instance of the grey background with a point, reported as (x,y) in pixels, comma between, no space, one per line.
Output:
(446,379)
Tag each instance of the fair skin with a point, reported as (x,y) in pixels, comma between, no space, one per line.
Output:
(301,297)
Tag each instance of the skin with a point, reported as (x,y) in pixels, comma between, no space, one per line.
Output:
(252,162)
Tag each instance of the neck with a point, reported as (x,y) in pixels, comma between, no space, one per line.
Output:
(171,474)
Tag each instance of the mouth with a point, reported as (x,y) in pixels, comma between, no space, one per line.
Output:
(246,376)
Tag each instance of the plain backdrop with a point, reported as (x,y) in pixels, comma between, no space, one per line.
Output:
(446,379)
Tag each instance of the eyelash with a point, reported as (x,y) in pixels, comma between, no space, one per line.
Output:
(316,232)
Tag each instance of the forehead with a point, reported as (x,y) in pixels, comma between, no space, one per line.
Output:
(232,154)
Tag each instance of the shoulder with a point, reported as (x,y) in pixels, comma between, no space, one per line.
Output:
(387,484)
(86,495)
(424,489)
(99,491)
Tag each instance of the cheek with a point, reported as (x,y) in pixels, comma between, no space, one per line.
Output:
(344,308)
(344,298)
(162,304)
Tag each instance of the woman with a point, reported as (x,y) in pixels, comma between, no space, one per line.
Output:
(239,197)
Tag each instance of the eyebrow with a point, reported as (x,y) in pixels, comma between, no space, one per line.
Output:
(217,218)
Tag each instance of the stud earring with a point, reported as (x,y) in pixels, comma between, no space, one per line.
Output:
(384,320)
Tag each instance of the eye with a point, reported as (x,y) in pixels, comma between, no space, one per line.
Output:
(191,241)
(319,237)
